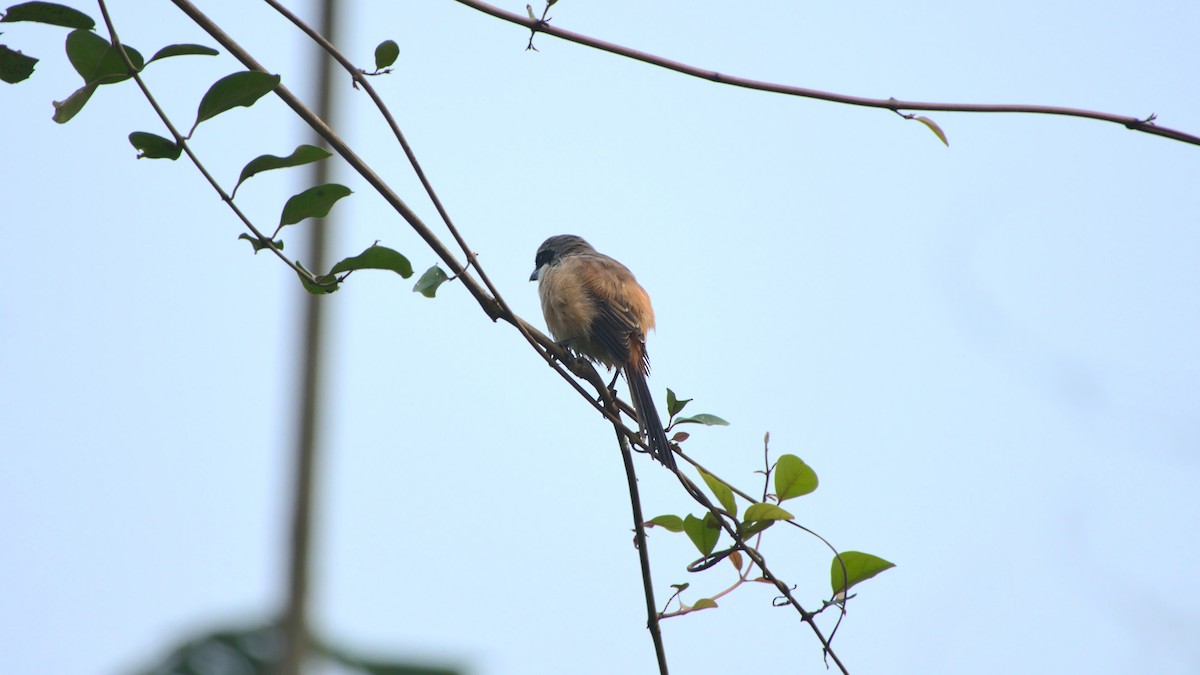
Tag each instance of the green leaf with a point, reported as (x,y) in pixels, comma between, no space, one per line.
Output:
(674,405)
(386,54)
(704,532)
(152,146)
(937,131)
(303,154)
(232,91)
(324,284)
(97,61)
(793,478)
(704,603)
(66,109)
(670,523)
(314,202)
(183,50)
(765,511)
(703,418)
(376,258)
(859,567)
(751,529)
(51,13)
(15,66)
(260,244)
(428,284)
(721,491)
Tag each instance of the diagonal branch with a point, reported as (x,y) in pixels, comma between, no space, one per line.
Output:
(547,348)
(1145,125)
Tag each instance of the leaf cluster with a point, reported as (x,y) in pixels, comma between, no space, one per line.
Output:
(792,478)
(101,62)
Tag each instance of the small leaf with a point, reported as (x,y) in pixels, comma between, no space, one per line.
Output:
(97,61)
(704,532)
(152,146)
(15,66)
(386,54)
(237,90)
(260,244)
(303,154)
(703,418)
(704,603)
(376,258)
(937,131)
(50,13)
(793,478)
(681,587)
(428,284)
(324,285)
(721,491)
(736,559)
(66,109)
(183,50)
(859,567)
(680,436)
(765,511)
(669,523)
(314,202)
(674,405)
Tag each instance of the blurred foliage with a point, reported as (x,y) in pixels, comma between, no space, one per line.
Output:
(257,650)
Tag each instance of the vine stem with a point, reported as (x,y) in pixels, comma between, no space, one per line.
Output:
(1145,125)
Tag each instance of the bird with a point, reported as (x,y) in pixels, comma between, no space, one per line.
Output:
(595,307)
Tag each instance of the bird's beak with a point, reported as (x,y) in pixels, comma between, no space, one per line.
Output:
(534,276)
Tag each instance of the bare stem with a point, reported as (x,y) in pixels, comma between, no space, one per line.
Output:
(639,530)
(1144,124)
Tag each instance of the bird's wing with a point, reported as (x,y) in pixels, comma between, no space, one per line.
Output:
(616,295)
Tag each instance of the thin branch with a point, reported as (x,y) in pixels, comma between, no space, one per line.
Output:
(358,75)
(1144,124)
(639,530)
(181,141)
(751,552)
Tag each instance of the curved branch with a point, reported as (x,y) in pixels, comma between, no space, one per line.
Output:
(1145,125)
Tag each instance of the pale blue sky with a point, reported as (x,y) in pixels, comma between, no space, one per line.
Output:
(987,351)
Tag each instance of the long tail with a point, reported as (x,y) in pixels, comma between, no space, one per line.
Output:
(643,401)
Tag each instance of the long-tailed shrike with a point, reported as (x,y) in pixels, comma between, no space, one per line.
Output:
(594,306)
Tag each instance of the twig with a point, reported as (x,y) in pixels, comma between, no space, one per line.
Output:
(540,22)
(751,552)
(639,530)
(1145,125)
(498,307)
(183,144)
